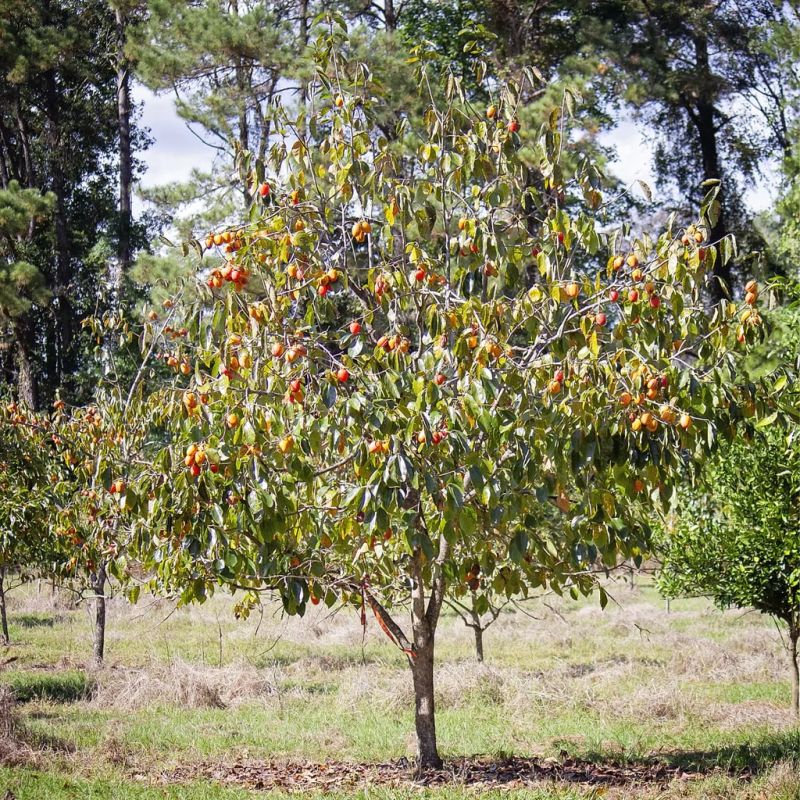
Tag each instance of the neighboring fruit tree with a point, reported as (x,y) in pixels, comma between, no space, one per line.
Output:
(737,536)
(58,511)
(25,544)
(409,348)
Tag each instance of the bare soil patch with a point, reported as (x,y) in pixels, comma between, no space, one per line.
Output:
(476,772)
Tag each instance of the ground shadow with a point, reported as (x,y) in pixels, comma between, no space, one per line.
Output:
(755,756)
(35,620)
(743,761)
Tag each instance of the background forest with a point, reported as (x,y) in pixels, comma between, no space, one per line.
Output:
(712,85)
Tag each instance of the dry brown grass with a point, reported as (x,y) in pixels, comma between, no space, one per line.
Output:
(180,684)
(13,751)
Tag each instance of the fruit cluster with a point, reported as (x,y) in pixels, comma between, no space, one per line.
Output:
(231,241)
(394,342)
(437,437)
(192,400)
(556,383)
(326,280)
(295,392)
(182,365)
(361,230)
(377,447)
(232,273)
(654,387)
(196,457)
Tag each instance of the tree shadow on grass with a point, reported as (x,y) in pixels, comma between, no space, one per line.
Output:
(35,620)
(744,762)
(755,756)
(19,746)
(744,759)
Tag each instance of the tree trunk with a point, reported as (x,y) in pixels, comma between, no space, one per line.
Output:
(3,614)
(424,623)
(6,163)
(125,157)
(242,81)
(303,48)
(64,317)
(27,389)
(98,584)
(704,117)
(478,630)
(24,139)
(424,707)
(794,634)
(389,16)
(304,24)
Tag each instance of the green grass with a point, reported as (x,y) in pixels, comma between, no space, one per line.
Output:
(693,687)
(60,687)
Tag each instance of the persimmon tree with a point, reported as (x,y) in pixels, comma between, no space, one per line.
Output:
(406,352)
(60,505)
(23,505)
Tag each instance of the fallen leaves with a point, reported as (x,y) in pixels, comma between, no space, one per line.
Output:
(476,772)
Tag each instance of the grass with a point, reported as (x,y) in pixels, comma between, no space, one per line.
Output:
(634,684)
(59,687)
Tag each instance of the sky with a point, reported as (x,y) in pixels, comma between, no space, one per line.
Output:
(176,150)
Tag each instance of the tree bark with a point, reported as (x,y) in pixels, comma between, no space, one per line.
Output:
(125,157)
(3,613)
(424,706)
(422,672)
(704,117)
(6,163)
(27,388)
(477,628)
(303,48)
(64,316)
(242,81)
(794,634)
(424,621)
(478,643)
(389,15)
(98,584)
(24,140)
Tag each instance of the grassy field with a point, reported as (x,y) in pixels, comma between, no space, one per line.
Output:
(690,703)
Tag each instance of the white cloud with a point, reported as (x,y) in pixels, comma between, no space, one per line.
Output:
(635,162)
(175,150)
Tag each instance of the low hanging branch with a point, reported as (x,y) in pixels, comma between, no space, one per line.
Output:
(388,625)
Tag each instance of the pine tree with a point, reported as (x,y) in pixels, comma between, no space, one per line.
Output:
(59,133)
(22,285)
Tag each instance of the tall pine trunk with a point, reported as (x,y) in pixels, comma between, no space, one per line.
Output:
(3,612)
(389,15)
(125,157)
(704,117)
(64,327)
(27,387)
(98,584)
